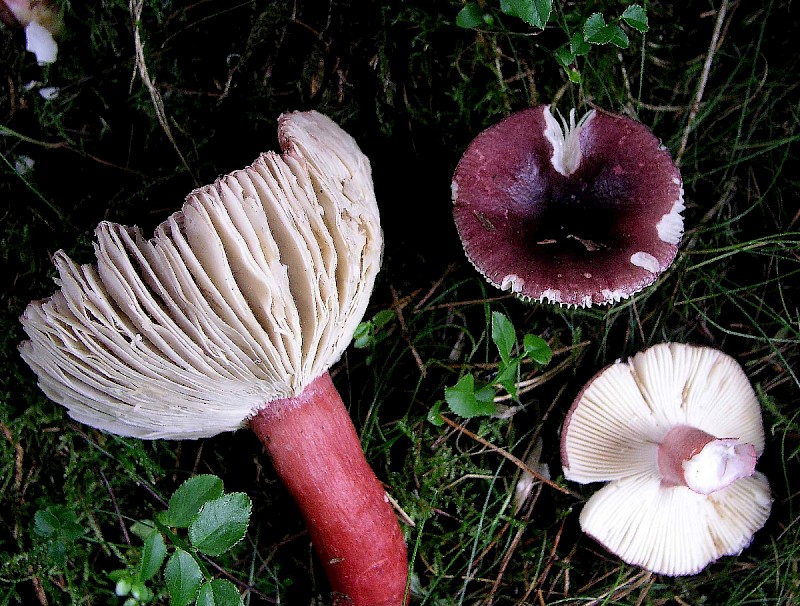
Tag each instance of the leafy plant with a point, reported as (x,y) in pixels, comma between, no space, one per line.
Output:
(370,333)
(537,13)
(59,526)
(214,521)
(470,397)
(534,12)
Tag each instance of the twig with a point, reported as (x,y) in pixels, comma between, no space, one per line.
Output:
(18,455)
(542,577)
(512,547)
(397,307)
(701,86)
(518,462)
(135,7)
(122,527)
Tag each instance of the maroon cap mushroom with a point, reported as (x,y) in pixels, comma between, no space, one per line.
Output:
(580,213)
(676,431)
(230,317)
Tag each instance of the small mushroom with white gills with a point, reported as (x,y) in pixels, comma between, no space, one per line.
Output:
(577,213)
(230,317)
(676,432)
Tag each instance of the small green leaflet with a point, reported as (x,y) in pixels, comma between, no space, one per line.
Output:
(503,335)
(533,12)
(537,349)
(221,523)
(186,501)
(183,578)
(57,520)
(470,17)
(635,16)
(597,31)
(219,592)
(508,376)
(466,402)
(153,556)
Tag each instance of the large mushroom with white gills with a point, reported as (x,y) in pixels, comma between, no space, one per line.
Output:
(676,432)
(577,213)
(230,317)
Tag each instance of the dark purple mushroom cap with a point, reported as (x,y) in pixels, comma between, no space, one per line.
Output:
(575,214)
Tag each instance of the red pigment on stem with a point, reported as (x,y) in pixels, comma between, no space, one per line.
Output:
(317,453)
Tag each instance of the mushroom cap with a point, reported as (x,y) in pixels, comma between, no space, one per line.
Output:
(675,531)
(612,433)
(244,296)
(582,214)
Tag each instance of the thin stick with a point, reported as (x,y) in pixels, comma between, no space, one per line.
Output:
(701,86)
(518,462)
(398,311)
(135,7)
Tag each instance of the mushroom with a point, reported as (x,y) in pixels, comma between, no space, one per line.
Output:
(676,431)
(230,317)
(580,213)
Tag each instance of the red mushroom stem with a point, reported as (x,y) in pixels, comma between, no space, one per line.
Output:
(691,457)
(317,453)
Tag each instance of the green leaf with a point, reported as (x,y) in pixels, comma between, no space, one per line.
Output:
(366,332)
(57,520)
(465,401)
(183,577)
(618,37)
(574,76)
(362,335)
(635,16)
(143,529)
(71,529)
(185,503)
(433,414)
(537,349)
(152,557)
(564,56)
(533,12)
(221,523)
(219,592)
(503,335)
(45,524)
(119,574)
(596,31)
(593,28)
(578,45)
(383,317)
(507,377)
(57,553)
(470,17)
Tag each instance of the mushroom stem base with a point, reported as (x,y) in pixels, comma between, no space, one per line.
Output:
(317,453)
(691,457)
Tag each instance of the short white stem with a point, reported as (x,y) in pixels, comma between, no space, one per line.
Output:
(704,463)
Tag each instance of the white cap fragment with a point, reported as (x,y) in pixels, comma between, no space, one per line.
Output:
(676,430)
(39,40)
